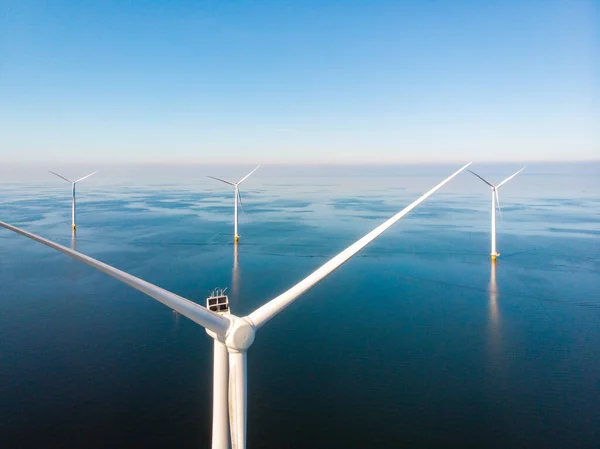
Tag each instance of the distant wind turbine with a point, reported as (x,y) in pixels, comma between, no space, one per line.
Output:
(73,183)
(496,202)
(236,198)
(233,335)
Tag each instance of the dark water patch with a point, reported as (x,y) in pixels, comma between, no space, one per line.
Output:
(442,210)
(592,232)
(564,201)
(283,203)
(169,204)
(370,217)
(557,218)
(36,202)
(25,218)
(356,204)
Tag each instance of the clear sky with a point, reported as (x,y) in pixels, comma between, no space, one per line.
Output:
(299,81)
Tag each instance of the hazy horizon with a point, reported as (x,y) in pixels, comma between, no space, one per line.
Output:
(38,172)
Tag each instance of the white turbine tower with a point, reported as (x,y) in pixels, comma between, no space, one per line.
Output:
(496,202)
(236,198)
(233,335)
(73,183)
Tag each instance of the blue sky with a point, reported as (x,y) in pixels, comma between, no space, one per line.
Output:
(304,81)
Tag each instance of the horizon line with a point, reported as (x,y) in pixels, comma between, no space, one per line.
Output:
(298,163)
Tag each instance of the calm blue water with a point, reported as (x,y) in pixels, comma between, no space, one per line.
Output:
(416,342)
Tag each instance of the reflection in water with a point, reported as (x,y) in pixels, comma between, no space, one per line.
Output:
(494,316)
(235,278)
(493,297)
(74,269)
(176,319)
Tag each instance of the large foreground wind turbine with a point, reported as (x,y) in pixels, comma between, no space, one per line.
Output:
(236,198)
(73,224)
(233,335)
(496,202)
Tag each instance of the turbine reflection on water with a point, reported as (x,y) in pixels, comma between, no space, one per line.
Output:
(73,241)
(494,315)
(493,289)
(176,320)
(74,269)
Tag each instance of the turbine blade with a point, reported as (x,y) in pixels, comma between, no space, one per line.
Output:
(247,176)
(210,320)
(498,203)
(266,312)
(87,176)
(237,399)
(222,180)
(509,178)
(488,183)
(62,177)
(240,200)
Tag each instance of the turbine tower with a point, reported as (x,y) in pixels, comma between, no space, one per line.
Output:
(73,183)
(496,202)
(236,198)
(233,335)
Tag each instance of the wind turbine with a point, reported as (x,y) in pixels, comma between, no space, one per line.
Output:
(236,198)
(233,335)
(496,202)
(73,183)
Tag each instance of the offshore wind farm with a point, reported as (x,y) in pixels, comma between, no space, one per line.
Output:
(333,356)
(361,294)
(233,335)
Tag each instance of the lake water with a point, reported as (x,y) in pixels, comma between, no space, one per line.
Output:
(418,341)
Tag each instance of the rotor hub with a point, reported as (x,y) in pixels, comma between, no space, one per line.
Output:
(240,336)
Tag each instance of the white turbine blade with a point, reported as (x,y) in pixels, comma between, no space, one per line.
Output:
(240,200)
(237,399)
(87,176)
(510,177)
(264,313)
(247,176)
(488,183)
(210,320)
(222,180)
(62,177)
(498,203)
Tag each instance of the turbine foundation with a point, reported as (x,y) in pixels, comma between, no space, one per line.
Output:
(494,256)
(236,238)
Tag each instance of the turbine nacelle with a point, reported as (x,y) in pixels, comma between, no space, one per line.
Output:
(240,333)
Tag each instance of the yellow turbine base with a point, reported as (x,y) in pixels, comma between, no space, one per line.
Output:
(236,238)
(494,257)
(73,227)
